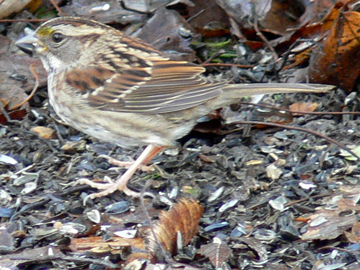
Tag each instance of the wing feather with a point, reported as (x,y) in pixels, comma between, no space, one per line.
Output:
(161,86)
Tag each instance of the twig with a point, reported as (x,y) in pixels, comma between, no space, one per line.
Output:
(226,65)
(218,53)
(36,85)
(292,202)
(318,196)
(4,112)
(56,7)
(299,129)
(299,112)
(195,15)
(258,32)
(23,20)
(60,256)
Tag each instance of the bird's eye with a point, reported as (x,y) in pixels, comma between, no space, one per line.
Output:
(57,37)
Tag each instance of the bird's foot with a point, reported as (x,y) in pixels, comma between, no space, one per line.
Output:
(121,183)
(107,188)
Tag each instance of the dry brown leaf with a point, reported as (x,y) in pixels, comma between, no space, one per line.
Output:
(208,18)
(17,114)
(276,116)
(273,16)
(170,33)
(183,218)
(303,107)
(44,132)
(315,23)
(300,59)
(336,61)
(218,252)
(317,12)
(327,224)
(257,246)
(354,235)
(16,79)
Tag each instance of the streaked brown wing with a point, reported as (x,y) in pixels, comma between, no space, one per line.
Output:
(166,86)
(174,86)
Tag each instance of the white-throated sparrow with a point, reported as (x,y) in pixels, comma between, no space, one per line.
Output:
(121,90)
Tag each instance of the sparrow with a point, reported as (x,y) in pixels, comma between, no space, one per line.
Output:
(122,90)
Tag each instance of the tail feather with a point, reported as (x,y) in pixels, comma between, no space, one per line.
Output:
(234,92)
(271,88)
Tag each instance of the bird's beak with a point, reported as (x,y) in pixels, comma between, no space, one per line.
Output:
(29,43)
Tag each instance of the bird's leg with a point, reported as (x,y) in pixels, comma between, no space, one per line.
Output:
(127,164)
(121,182)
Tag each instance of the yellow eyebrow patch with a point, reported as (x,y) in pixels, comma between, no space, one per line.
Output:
(46,31)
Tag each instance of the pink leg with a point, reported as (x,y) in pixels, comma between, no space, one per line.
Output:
(127,164)
(121,183)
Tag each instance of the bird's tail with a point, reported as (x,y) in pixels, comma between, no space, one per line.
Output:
(233,93)
(272,88)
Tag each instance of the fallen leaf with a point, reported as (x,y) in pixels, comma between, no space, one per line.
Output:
(336,61)
(354,235)
(218,252)
(303,107)
(182,218)
(327,224)
(44,132)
